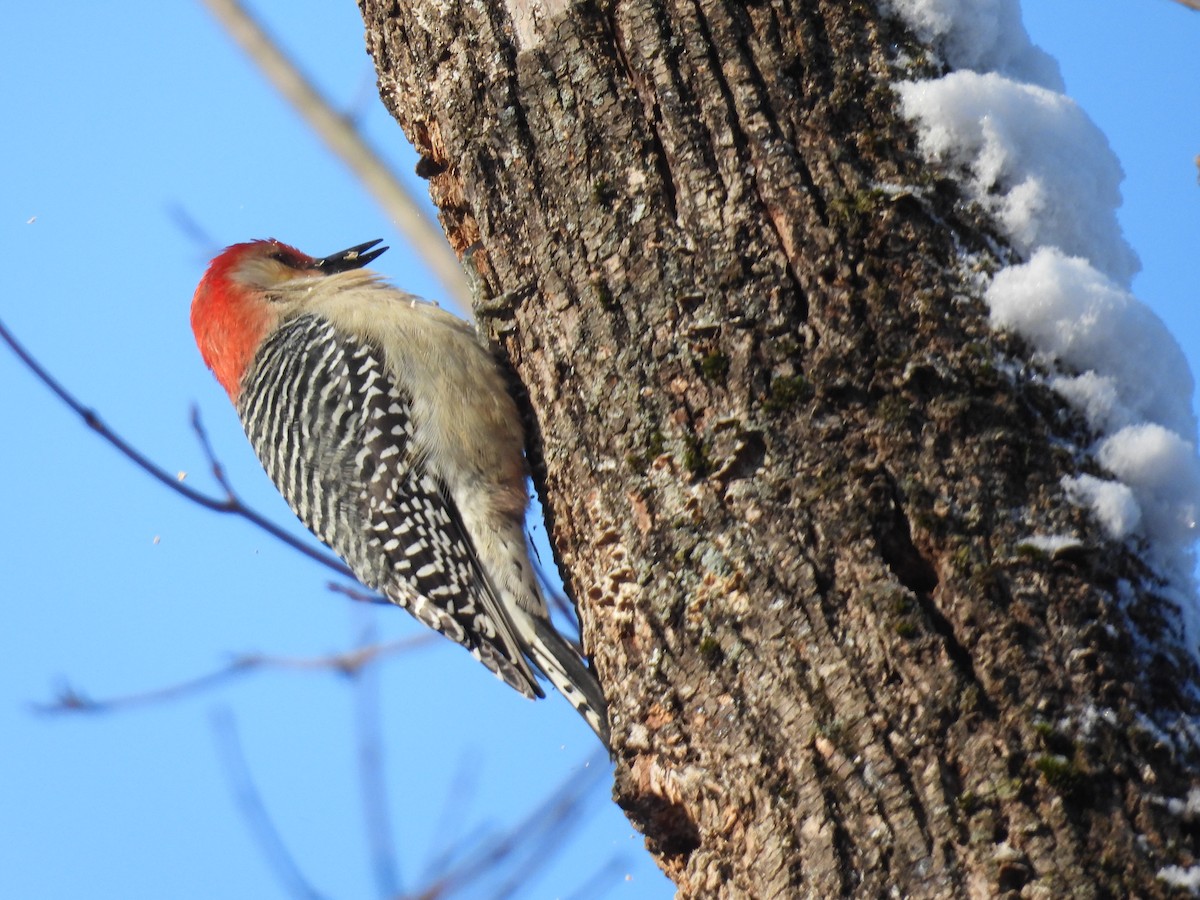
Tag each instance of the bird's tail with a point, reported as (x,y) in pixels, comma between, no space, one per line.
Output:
(566,670)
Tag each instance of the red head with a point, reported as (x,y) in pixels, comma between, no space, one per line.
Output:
(238,302)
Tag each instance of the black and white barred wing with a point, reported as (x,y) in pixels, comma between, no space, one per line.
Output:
(335,435)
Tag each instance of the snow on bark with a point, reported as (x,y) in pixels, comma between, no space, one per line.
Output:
(1027,153)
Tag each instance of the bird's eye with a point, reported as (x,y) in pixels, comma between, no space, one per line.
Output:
(291,259)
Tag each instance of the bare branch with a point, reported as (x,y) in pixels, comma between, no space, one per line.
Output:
(346,142)
(229,506)
(254,811)
(349,663)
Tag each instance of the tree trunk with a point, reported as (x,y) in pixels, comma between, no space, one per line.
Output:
(788,470)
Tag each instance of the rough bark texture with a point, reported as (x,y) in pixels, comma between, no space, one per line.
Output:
(789,470)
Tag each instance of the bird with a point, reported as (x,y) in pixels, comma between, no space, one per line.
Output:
(387,425)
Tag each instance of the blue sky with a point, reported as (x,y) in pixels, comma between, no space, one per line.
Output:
(116,127)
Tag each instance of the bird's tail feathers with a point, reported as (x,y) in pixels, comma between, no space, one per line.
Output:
(570,675)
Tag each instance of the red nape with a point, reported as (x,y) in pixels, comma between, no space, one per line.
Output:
(230,318)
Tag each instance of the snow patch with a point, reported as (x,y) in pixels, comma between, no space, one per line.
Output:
(1164,474)
(1031,157)
(1050,544)
(1091,717)
(1133,368)
(981,35)
(1134,389)
(1094,395)
(1188,879)
(1111,502)
(1187,808)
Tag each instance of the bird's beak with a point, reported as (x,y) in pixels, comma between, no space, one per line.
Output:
(354,258)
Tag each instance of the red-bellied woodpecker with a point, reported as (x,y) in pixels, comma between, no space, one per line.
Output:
(387,426)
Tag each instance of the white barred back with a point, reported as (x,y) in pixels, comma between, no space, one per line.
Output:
(335,435)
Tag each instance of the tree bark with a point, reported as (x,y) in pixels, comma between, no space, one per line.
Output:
(789,470)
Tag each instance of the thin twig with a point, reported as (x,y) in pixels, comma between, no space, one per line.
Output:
(601,880)
(250,803)
(228,506)
(372,781)
(357,594)
(214,464)
(350,663)
(195,232)
(560,820)
(539,834)
(556,599)
(448,831)
(346,142)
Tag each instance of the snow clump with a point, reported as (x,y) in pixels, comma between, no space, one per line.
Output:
(1028,155)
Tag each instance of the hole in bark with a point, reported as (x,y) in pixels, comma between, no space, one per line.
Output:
(894,539)
(674,832)
(1011,877)
(427,168)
